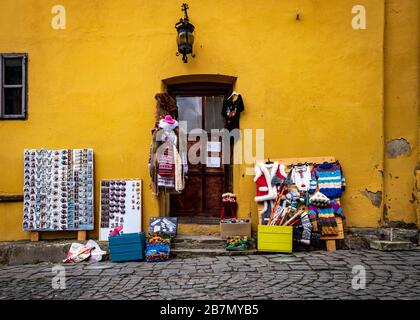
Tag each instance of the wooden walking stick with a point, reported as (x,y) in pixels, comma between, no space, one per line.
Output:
(277,203)
(297,215)
(285,183)
(285,214)
(278,215)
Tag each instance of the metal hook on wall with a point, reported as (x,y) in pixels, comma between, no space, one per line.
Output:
(297,14)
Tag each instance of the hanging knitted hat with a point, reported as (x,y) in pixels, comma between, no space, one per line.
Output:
(319,200)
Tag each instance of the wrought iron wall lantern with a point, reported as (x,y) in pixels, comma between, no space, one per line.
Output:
(185,37)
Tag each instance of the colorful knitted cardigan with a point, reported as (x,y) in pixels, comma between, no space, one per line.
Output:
(329,178)
(326,217)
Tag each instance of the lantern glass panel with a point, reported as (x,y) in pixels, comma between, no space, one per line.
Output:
(191,38)
(185,40)
(183,35)
(181,39)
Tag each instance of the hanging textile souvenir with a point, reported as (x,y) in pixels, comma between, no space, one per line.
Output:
(166,168)
(301,177)
(268,177)
(264,174)
(232,107)
(167,162)
(329,179)
(326,218)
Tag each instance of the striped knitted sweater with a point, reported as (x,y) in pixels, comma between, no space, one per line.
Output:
(326,217)
(329,179)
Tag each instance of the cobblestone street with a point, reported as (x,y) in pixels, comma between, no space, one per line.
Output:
(302,275)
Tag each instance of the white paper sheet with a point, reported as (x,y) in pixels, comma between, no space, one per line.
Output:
(214,146)
(213,162)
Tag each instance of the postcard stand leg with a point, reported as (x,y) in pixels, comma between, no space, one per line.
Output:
(81,235)
(34,236)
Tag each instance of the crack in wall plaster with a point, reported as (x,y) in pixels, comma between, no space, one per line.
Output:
(397,147)
(374,197)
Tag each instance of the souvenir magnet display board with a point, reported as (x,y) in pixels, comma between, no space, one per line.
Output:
(58,190)
(120,205)
(163,224)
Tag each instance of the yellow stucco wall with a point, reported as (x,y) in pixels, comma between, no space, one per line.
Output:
(402,39)
(315,86)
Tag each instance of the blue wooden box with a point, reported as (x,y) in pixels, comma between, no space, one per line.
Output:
(127,247)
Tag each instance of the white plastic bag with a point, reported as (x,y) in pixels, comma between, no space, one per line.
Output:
(96,253)
(81,252)
(78,252)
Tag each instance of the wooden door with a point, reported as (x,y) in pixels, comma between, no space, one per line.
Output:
(202,197)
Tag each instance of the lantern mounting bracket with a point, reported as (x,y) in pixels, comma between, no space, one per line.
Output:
(185,9)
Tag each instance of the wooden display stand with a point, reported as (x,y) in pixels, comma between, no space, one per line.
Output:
(329,240)
(81,235)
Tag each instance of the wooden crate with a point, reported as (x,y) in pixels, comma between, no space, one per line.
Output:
(275,238)
(235,229)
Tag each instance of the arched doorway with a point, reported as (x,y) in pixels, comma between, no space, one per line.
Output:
(200,100)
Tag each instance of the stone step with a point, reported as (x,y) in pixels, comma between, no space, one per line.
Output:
(199,229)
(195,245)
(185,246)
(197,242)
(201,238)
(191,253)
(26,252)
(384,245)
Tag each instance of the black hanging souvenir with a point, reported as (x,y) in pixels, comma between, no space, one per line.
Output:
(232,107)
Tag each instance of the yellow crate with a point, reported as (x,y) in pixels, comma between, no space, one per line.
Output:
(275,238)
